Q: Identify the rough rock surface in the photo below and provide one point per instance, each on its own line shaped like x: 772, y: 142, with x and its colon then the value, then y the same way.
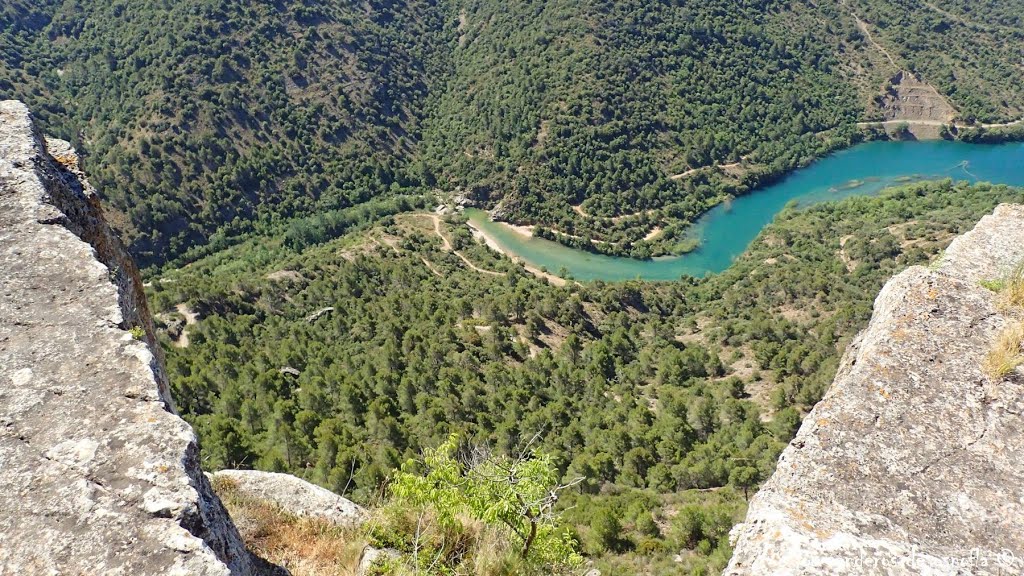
x: 97, y: 474
x: 295, y: 495
x: 913, y: 463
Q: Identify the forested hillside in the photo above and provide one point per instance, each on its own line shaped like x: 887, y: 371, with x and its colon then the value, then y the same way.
x: 205, y: 119
x: 600, y: 103
x: 969, y: 50
x: 197, y: 117
x: 671, y: 399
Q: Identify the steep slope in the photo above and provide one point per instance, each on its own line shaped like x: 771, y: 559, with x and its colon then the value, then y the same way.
x: 912, y: 462
x: 97, y: 475
x: 600, y: 102
x: 968, y: 50
x: 598, y: 119
x: 200, y: 116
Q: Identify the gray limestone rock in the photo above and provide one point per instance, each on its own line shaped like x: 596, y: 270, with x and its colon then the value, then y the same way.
x: 295, y: 495
x: 913, y: 463
x: 373, y: 556
x: 97, y: 474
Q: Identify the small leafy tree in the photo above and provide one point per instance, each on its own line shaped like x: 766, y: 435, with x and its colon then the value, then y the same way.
x: 744, y: 477
x: 512, y: 496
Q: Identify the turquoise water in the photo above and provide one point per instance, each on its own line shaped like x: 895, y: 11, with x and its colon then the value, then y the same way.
x: 728, y: 229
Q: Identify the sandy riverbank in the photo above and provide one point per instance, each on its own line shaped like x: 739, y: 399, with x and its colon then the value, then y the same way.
x: 527, y: 231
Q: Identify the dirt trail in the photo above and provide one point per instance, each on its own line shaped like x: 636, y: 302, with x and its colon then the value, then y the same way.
x: 432, y: 268
x: 477, y: 268
x: 693, y: 171
x: 190, y: 318
x: 615, y: 219
x: 863, y: 27
x: 969, y: 23
x: 850, y: 264
x: 447, y: 246
x: 689, y: 172
x: 1002, y: 125
x: 939, y: 123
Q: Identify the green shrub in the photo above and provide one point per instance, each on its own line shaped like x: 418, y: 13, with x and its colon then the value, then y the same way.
x: 495, y: 514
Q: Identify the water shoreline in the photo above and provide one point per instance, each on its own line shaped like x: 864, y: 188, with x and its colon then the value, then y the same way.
x: 492, y: 243
x: 865, y: 169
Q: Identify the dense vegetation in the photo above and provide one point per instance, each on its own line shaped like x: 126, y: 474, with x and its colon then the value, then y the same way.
x: 670, y: 399
x: 480, y: 513
x: 969, y: 49
x: 205, y: 119
x: 284, y: 147
x: 599, y: 102
x: 200, y: 116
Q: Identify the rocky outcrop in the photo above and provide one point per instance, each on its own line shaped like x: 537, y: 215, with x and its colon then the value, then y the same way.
x: 97, y: 474
x: 249, y: 492
x: 913, y: 463
x: 298, y: 497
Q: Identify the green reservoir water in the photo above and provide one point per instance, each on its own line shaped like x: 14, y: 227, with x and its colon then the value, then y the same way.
x: 727, y: 230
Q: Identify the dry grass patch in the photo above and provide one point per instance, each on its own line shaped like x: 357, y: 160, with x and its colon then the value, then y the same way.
x: 1010, y: 288
x: 1013, y: 288
x: 429, y: 546
x: 306, y: 546
x: 1007, y: 352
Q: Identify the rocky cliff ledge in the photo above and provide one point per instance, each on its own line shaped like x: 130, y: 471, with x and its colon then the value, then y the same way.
x: 913, y: 463
x: 97, y: 474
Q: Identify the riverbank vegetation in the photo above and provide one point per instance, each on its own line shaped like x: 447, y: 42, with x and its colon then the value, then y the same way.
x: 671, y: 400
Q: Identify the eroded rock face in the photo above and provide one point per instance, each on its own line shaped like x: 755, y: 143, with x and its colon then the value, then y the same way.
x: 97, y: 474
x: 913, y: 463
x: 908, y: 98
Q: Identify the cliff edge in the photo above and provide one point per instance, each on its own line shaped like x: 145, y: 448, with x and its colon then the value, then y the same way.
x: 913, y: 463
x: 97, y: 474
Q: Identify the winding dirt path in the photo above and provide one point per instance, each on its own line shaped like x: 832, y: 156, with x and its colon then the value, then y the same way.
x: 693, y: 171
x: 969, y: 23
x: 432, y: 268
x: 616, y: 219
x: 477, y: 268
x: 447, y: 246
x: 190, y: 318
x: 850, y: 264
x: 863, y: 27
